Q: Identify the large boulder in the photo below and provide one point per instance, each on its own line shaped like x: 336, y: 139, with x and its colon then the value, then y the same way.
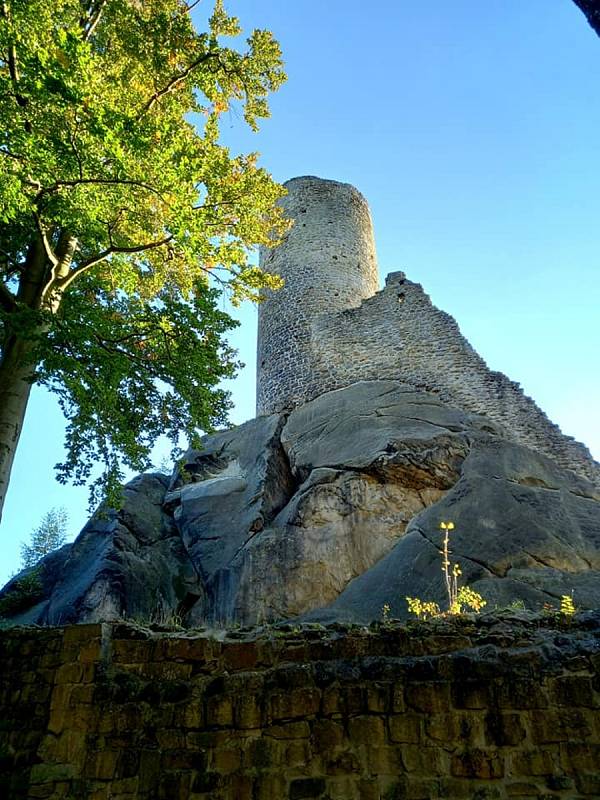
x: 223, y: 497
x: 329, y: 513
x: 524, y: 531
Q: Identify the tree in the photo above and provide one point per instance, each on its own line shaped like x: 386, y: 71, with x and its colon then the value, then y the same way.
x: 50, y: 534
x: 122, y: 218
x: 591, y: 9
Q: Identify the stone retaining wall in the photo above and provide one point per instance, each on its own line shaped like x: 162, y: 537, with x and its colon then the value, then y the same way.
x: 501, y: 709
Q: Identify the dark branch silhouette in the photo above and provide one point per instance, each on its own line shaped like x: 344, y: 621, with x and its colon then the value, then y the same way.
x: 591, y: 9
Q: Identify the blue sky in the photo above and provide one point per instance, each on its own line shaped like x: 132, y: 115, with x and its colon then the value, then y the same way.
x: 472, y: 129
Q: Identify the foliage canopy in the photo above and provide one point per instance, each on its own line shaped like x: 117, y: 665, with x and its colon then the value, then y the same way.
x: 122, y: 218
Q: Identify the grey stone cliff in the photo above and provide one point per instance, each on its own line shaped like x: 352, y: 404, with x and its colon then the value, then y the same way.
x: 378, y: 422
x: 332, y: 511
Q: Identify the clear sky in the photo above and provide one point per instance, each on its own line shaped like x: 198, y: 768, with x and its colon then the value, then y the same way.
x: 473, y: 129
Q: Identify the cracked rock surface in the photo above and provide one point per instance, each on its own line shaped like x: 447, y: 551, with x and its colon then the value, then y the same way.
x: 329, y: 513
x: 130, y: 563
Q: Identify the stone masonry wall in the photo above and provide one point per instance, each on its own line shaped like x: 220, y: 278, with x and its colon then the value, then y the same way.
x: 328, y: 327
x: 399, y: 334
x: 508, y: 707
x: 328, y: 263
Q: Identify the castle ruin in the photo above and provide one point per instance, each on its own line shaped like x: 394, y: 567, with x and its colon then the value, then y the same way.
x: 330, y: 327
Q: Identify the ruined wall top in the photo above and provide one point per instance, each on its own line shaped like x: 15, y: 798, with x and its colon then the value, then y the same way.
x: 330, y: 327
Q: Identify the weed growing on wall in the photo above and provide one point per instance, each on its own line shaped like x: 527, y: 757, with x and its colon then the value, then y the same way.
x: 567, y: 606
x: 460, y: 598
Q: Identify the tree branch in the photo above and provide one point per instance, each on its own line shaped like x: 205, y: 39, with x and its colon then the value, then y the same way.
x: 47, y: 246
x: 13, y: 69
x: 175, y: 81
x: 591, y: 9
x: 5, y: 152
x: 192, y: 5
x: 95, y: 14
x: 13, y: 66
x: 102, y: 343
x: 64, y: 251
x: 91, y: 262
x: 14, y: 266
x: 54, y: 187
x: 77, y: 155
x: 7, y: 299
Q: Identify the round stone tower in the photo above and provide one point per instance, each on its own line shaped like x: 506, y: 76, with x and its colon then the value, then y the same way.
x: 328, y: 263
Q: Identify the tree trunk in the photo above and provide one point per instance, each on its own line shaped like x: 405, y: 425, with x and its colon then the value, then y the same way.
x: 38, y: 289
x: 16, y: 373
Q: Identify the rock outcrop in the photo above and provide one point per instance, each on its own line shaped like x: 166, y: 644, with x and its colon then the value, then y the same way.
x: 378, y: 421
x: 329, y: 512
x: 131, y: 563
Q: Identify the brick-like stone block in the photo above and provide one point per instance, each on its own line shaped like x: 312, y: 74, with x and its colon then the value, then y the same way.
x: 574, y: 691
x: 521, y: 789
x: 219, y: 711
x: 206, y: 782
x: 442, y: 727
x: 477, y: 764
x: 521, y: 694
x: 566, y: 725
x: 268, y: 787
x: 348, y: 761
x: 289, y: 730
x: 242, y: 656
x: 343, y: 700
x: 171, y: 739
x: 504, y: 729
x: 174, y: 785
x: 194, y: 714
x: 588, y: 783
x: 377, y: 698
x: 369, y: 789
x: 102, y: 765
x: 428, y: 697
x: 75, y: 636
x: 129, y: 651
x: 327, y: 734
x: 405, y: 728
x: 535, y: 762
x: 343, y: 787
x: 398, y: 703
x: 294, y: 704
x: 226, y: 760
x: 298, y: 753
x: 247, y: 710
x: 421, y: 789
x: 576, y: 757
x: 262, y: 753
x: 366, y: 730
x: 386, y: 760
x: 424, y: 761
x: 472, y: 694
